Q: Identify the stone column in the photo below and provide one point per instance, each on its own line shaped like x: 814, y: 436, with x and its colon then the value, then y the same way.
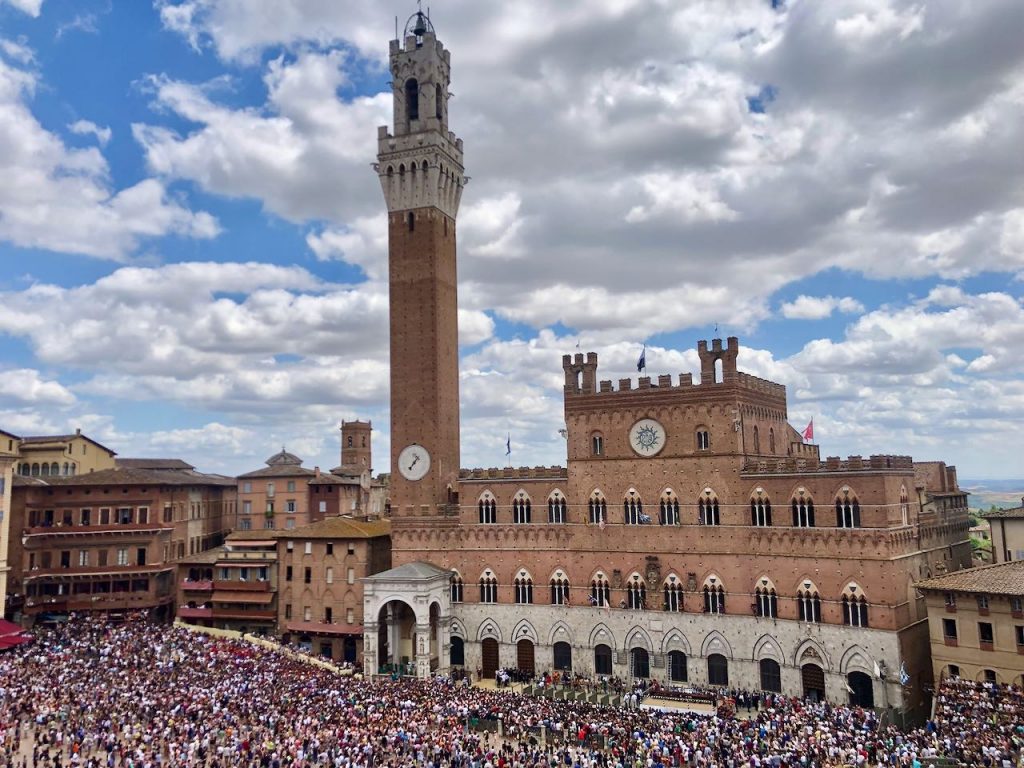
x: 422, y: 650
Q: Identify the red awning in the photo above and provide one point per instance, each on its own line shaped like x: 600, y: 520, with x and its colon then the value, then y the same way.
x: 12, y: 635
x: 323, y: 628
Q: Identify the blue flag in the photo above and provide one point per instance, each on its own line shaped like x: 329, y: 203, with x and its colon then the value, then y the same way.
x: 508, y: 445
x: 642, y: 362
x: 904, y: 677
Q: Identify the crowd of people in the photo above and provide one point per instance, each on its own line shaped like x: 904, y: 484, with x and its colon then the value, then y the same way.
x: 143, y: 695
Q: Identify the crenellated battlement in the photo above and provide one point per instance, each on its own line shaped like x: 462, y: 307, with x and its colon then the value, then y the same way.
x: 581, y: 374
x: 554, y: 472
x: 792, y: 465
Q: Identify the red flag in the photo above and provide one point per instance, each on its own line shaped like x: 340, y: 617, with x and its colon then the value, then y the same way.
x: 809, y: 432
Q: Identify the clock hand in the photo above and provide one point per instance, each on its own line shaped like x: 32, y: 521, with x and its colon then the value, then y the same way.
x: 415, y: 459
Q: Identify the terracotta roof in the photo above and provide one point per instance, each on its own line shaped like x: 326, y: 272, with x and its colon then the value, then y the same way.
x: 283, y: 457
x: 132, y: 476
x: 999, y: 579
x: 152, y: 464
x: 22, y: 480
x: 202, y: 558
x: 281, y: 470
x: 329, y: 478
x: 1002, y: 514
x: 338, y: 528
x: 34, y: 439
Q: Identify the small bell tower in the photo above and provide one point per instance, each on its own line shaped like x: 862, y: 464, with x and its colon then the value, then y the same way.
x: 419, y: 163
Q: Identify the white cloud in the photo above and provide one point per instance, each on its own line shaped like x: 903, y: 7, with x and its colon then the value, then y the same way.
x: 819, y: 307
x: 87, y: 128
x: 26, y: 386
x: 59, y: 198
x: 31, y: 7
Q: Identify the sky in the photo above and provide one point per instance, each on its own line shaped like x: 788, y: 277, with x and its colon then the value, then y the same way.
x: 193, y: 241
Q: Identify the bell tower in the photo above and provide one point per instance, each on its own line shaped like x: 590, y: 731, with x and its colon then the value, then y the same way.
x: 419, y: 163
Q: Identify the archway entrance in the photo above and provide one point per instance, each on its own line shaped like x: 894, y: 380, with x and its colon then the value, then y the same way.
x: 813, y: 678
x: 640, y: 662
x: 457, y: 654
x: 677, y: 666
x: 602, y: 659
x: 862, y: 692
x: 524, y: 656
x: 771, y: 675
x: 350, y: 650
x: 489, y: 651
x: 563, y: 656
x: 396, y: 625
x: 718, y: 669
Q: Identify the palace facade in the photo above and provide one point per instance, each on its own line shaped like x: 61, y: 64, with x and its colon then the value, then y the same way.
x: 692, y: 536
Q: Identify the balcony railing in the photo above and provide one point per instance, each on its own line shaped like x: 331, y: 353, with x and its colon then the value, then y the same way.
x: 235, y: 585
x: 197, y: 585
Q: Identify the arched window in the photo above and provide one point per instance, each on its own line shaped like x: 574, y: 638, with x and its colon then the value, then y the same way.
x: 24, y: 469
x: 560, y: 589
x: 803, y: 510
x: 524, y: 588
x: 456, y: 587
x: 636, y: 593
x: 760, y: 509
x: 703, y: 440
x: 674, y: 600
x: 412, y: 98
x: 633, y: 509
x: 714, y: 596
x: 488, y: 508
x: 771, y: 440
x: 668, y: 513
x: 847, y: 510
x: 556, y: 507
x: 600, y: 591
x: 677, y: 666
x: 757, y: 440
x: 904, y: 505
x: 488, y: 588
x: 771, y: 676
x: 438, y: 101
x: 855, y: 607
x: 766, y: 602
x: 707, y: 508
x: 597, y: 444
x: 46, y: 469
x: 350, y: 441
x: 64, y: 469
x: 718, y: 669
x: 54, y: 469
x: 521, y: 514
x: 598, y: 508
x: 808, y: 604
x: 35, y: 470
x: 411, y: 221
x: 74, y: 469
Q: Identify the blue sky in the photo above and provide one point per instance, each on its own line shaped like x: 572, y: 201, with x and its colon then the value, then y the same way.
x: 194, y: 242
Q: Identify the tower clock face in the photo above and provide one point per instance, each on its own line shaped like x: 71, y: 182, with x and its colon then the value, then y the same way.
x: 647, y: 437
x: 414, y: 462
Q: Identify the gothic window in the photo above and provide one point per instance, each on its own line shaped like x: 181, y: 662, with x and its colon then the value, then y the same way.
x: 411, y: 218
x: 350, y: 441
x: 598, y: 508
x: 673, y: 595
x: 771, y: 440
x: 760, y: 509
x: 488, y: 588
x: 757, y: 441
x: 521, y: 514
x: 714, y: 596
x: 438, y: 101
x: 803, y: 510
x: 524, y: 588
x: 808, y: 604
x: 904, y: 505
x: 855, y: 607
x: 487, y: 508
x: 559, y: 589
x: 847, y: 510
x: 703, y: 440
x: 636, y: 593
x: 412, y: 98
x: 556, y: 507
x: 766, y: 602
x: 456, y: 587
x: 633, y: 509
x: 707, y: 509
x: 600, y: 591
x: 597, y: 445
x: 669, y: 509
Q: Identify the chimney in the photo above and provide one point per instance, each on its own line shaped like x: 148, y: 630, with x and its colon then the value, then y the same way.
x: 316, y: 471
x: 78, y: 430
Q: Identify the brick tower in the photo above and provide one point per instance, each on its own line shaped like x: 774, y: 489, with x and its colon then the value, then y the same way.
x: 356, y: 446
x: 421, y: 173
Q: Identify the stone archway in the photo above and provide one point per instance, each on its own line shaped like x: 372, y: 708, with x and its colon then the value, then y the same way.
x: 813, y: 679
x: 396, y: 638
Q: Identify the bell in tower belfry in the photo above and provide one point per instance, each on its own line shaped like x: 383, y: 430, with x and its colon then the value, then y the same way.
x: 419, y: 163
